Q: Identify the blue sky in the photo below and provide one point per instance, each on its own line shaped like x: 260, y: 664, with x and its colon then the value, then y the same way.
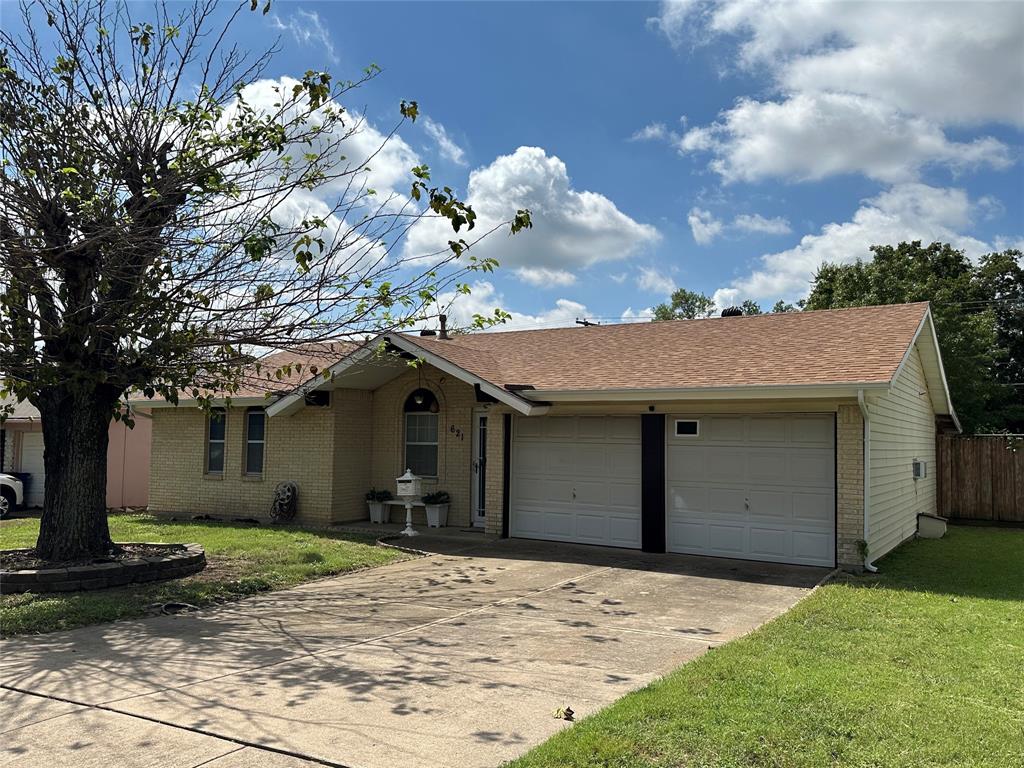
x: 727, y: 147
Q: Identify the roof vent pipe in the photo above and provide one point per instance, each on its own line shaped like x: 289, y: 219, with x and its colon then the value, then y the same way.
x: 732, y: 312
x: 444, y: 327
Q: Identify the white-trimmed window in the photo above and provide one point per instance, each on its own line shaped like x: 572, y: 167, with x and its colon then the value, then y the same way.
x: 216, y: 431
x: 255, y: 440
x: 687, y: 428
x: 421, y: 428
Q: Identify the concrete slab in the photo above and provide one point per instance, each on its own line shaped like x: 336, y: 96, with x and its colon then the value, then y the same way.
x: 452, y: 660
x: 84, y: 738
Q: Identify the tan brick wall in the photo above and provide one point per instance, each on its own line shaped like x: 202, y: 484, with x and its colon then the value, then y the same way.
x: 495, y: 468
x: 457, y: 401
x: 353, y: 449
x: 849, y: 485
x: 298, y: 448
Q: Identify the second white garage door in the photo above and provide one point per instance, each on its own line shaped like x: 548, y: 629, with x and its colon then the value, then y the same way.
x: 752, y: 487
x: 577, y: 478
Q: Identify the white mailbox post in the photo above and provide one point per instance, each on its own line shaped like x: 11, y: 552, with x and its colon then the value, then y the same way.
x: 409, y: 490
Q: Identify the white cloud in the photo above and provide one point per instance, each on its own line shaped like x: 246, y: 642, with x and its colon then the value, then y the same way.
x: 755, y: 222
x: 904, y: 212
x: 653, y: 132
x: 808, y: 137
x: 485, y: 298
x: 445, y: 144
x: 619, y: 278
x: 655, y: 281
x: 640, y: 314
x: 308, y: 30
x: 572, y: 229
x: 704, y: 226
x: 860, y: 87
x: 542, y: 277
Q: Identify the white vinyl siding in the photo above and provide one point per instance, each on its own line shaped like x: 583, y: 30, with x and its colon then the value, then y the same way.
x: 902, y: 429
x: 32, y: 463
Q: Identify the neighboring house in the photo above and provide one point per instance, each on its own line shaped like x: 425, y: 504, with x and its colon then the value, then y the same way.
x: 21, y: 452
x: 785, y: 437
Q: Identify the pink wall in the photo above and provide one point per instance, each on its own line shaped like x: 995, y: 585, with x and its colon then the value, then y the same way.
x: 128, y: 463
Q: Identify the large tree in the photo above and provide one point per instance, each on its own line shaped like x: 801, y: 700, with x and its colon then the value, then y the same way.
x: 168, y: 211
x: 979, y: 318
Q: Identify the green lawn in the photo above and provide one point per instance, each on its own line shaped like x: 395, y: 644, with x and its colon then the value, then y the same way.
x: 241, y: 560
x: 921, y: 665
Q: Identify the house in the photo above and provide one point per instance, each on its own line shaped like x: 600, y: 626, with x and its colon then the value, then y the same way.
x: 788, y: 437
x: 21, y: 452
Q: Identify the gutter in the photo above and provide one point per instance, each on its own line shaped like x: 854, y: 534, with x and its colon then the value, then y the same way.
x: 867, y: 473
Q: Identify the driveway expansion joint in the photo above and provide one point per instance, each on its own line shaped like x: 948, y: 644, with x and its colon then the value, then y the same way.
x: 201, y: 731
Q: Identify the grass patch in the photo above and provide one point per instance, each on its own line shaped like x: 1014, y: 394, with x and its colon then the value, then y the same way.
x: 921, y: 665
x: 241, y: 560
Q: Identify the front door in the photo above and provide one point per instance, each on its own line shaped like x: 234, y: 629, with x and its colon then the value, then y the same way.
x: 479, y: 478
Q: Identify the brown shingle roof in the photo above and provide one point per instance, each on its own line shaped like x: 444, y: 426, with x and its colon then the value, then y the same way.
x: 844, y: 346
x: 257, y: 383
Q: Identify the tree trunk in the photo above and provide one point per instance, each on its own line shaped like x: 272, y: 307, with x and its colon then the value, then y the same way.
x: 74, y: 521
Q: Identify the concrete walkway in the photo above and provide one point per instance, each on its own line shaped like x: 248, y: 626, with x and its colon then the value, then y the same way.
x: 458, y: 659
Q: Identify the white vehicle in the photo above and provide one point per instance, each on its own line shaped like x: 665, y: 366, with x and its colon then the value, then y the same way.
x: 11, y: 494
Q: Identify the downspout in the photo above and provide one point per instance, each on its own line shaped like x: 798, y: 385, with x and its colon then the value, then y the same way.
x: 867, y: 473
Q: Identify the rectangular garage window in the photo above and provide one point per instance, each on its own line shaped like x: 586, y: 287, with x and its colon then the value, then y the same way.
x: 421, y: 443
x: 215, y: 432
x: 687, y: 427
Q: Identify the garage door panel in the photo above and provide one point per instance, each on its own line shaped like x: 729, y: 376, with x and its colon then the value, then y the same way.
x: 812, y: 547
x: 724, y: 429
x: 768, y: 429
x: 625, y: 428
x: 813, y: 468
x: 724, y: 463
x: 727, y: 502
x: 767, y: 466
x: 624, y: 531
x: 727, y: 540
x: 688, y: 498
x: 626, y: 495
x: 771, y: 505
x: 623, y: 461
x: 585, y: 487
x: 591, y: 527
x: 771, y: 543
x: 814, y: 509
x: 784, y: 465
x: 812, y: 430
x: 686, y: 463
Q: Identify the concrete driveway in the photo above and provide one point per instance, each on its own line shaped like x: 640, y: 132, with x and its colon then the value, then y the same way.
x: 458, y: 659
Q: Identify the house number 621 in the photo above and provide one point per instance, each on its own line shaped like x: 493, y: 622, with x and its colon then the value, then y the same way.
x: 457, y: 432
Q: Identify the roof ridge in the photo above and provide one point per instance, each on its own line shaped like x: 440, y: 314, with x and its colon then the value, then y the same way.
x: 764, y: 315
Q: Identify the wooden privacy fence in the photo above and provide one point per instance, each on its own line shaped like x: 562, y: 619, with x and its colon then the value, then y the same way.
x: 981, y: 477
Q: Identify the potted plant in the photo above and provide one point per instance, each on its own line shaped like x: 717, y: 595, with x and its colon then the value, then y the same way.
x: 437, y: 508
x: 379, y: 513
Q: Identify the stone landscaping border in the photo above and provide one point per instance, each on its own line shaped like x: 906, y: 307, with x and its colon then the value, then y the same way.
x: 175, y: 564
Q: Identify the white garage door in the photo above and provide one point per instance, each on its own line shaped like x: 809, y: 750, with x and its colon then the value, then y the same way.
x: 752, y: 487
x: 32, y: 462
x: 577, y: 478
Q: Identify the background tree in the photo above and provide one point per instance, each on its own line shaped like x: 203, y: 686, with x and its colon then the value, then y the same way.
x: 685, y: 305
x: 978, y: 312
x: 159, y: 226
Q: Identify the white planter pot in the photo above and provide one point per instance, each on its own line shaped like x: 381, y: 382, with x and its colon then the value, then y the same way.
x: 379, y: 511
x: 437, y: 515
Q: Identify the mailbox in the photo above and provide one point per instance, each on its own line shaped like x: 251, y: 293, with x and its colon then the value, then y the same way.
x: 409, y: 486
